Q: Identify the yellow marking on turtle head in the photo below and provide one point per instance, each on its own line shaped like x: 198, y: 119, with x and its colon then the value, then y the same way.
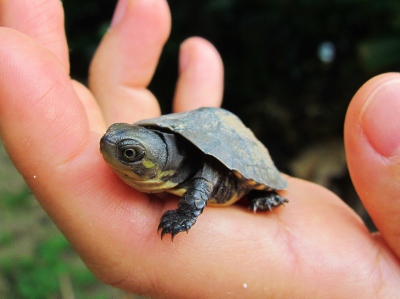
x: 148, y: 164
x: 154, y: 185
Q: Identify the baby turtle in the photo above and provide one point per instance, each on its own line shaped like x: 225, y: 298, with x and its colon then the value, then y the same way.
x: 205, y: 156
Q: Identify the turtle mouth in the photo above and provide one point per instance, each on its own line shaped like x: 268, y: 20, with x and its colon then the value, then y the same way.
x: 105, y: 141
x: 107, y: 149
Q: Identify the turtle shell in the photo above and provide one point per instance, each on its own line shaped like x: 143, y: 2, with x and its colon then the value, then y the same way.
x: 221, y: 134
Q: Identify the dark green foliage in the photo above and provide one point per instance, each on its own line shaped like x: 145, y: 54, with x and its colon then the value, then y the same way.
x: 85, y: 24
x: 6, y: 238
x: 274, y: 77
x: 17, y: 200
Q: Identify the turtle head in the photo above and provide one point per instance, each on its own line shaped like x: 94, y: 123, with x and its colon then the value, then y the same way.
x: 135, y: 153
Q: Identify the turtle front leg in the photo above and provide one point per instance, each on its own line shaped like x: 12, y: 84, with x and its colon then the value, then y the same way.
x: 199, y: 190
x: 190, y: 206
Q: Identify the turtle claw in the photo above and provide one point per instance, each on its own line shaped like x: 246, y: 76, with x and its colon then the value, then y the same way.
x: 268, y: 202
x: 174, y: 222
x: 162, y: 233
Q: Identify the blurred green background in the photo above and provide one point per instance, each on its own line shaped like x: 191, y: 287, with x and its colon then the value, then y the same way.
x: 292, y: 68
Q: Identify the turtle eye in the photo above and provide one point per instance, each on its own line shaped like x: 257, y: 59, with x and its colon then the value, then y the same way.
x: 130, y: 150
x: 129, y: 153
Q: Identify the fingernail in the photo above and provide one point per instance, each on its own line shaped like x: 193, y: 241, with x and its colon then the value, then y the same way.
x: 380, y: 119
x: 184, y: 57
x: 119, y: 12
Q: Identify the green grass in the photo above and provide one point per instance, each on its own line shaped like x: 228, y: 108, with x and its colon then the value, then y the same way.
x: 45, y: 273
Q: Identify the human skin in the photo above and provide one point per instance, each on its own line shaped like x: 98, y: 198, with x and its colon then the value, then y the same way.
x: 314, y: 247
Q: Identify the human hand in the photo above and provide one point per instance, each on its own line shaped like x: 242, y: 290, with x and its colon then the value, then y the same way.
x: 314, y: 247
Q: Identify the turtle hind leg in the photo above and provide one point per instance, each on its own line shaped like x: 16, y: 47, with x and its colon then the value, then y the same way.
x: 190, y: 206
x: 265, y: 200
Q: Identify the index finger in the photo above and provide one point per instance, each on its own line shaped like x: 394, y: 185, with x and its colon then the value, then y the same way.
x: 126, y: 59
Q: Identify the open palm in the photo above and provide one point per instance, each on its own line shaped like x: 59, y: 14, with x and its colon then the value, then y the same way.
x: 315, y: 247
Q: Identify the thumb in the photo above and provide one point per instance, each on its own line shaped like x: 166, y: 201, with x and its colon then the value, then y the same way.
x: 372, y: 139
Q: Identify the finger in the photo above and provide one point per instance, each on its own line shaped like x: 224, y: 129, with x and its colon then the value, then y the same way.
x: 126, y: 59
x: 372, y: 138
x: 42, y: 20
x: 201, y: 76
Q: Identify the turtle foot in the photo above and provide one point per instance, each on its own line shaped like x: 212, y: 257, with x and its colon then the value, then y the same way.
x: 267, y: 202
x: 174, y: 222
